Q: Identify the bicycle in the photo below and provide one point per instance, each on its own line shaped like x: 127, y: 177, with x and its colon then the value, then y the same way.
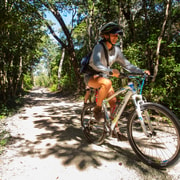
x: 153, y: 131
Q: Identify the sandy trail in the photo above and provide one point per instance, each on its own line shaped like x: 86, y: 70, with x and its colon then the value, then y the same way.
x: 47, y: 143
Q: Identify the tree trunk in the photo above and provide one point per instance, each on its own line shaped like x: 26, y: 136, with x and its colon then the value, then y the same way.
x: 70, y: 47
x: 126, y: 10
x: 60, y: 67
x: 89, y: 22
x: 159, y: 42
x: 19, y: 73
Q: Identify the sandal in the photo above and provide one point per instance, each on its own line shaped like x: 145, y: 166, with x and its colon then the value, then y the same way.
x: 120, y: 136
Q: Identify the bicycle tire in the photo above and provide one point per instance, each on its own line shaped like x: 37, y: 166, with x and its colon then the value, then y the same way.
x: 162, y: 148
x: 94, y: 131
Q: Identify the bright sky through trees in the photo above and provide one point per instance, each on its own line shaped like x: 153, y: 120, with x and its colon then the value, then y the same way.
x: 56, y: 26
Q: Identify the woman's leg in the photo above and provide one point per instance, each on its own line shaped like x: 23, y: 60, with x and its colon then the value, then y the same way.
x: 112, y: 102
x: 87, y: 94
x: 104, y: 84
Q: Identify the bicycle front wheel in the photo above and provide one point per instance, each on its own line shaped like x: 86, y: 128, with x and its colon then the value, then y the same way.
x: 160, y: 147
x: 94, y: 131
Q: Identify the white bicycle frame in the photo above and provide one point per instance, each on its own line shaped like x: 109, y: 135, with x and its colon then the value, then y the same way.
x: 138, y: 101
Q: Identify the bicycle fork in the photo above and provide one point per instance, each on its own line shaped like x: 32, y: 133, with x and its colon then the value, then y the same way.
x: 138, y: 101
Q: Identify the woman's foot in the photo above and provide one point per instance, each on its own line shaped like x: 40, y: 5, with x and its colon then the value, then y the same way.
x: 120, y: 136
x: 98, y: 114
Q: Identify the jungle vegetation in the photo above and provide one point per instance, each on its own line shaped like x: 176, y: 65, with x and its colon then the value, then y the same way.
x: 33, y: 52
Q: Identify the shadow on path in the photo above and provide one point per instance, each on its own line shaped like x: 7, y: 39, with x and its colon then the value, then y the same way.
x: 53, y: 129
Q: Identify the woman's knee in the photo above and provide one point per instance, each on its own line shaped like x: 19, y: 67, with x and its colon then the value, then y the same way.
x: 100, y: 82
x: 106, y: 83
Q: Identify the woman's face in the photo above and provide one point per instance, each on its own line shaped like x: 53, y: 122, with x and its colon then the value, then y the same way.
x: 113, y: 38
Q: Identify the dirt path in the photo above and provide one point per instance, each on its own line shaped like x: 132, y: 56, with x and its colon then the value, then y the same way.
x: 47, y: 143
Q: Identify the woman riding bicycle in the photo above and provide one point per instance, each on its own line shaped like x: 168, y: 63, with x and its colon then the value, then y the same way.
x: 109, y: 32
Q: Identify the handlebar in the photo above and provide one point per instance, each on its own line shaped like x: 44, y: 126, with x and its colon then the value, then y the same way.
x: 140, y: 78
x: 134, y: 75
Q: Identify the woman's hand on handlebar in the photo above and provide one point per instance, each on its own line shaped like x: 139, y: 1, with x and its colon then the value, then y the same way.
x: 147, y: 72
x: 116, y: 73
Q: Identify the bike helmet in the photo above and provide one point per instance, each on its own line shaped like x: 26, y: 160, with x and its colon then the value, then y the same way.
x: 111, y: 28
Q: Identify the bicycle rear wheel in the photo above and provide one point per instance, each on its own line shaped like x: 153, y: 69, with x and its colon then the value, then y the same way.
x: 161, y: 148
x: 94, y: 131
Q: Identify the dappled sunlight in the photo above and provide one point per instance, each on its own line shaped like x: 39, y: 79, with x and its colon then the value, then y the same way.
x: 48, y: 129
x: 56, y: 131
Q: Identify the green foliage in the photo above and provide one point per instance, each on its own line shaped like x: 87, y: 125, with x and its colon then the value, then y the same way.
x: 65, y: 82
x: 24, y: 46
x: 166, y: 88
x: 4, y: 111
x: 28, y: 82
x: 42, y: 80
x: 134, y: 53
x: 4, y: 138
x: 54, y: 87
x: 20, y: 34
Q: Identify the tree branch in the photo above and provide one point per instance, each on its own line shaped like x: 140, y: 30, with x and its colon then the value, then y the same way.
x: 52, y: 32
x: 59, y: 18
x: 159, y: 41
x: 55, y: 36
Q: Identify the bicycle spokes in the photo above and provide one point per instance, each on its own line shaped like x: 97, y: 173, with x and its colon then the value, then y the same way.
x: 159, y: 146
x: 94, y: 131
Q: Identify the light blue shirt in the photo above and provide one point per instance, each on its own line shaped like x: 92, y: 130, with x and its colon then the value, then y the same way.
x: 99, y: 63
